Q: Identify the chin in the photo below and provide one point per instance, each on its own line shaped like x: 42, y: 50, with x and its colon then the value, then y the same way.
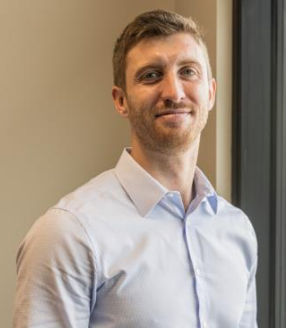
x: 170, y: 146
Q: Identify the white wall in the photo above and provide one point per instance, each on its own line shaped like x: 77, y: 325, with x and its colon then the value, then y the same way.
x: 58, y: 127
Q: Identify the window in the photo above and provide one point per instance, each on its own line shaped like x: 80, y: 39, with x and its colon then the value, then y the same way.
x: 259, y: 143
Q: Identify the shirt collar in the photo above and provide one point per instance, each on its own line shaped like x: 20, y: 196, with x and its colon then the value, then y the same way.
x: 204, y: 189
x: 142, y: 188
x: 136, y: 181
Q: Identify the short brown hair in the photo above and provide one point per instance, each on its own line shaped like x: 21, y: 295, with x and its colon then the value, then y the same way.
x: 149, y: 25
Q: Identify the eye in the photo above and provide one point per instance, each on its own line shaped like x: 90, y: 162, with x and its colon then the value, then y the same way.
x: 150, y: 76
x: 188, y: 72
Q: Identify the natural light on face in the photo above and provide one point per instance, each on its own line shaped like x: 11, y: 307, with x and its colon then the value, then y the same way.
x: 168, y: 92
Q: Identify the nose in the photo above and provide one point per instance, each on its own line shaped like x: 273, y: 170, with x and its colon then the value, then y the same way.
x: 172, y: 89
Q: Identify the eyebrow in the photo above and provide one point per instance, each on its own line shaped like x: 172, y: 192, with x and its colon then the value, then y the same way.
x: 189, y: 61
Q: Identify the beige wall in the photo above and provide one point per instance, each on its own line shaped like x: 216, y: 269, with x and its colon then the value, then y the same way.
x: 224, y: 97
x: 58, y: 127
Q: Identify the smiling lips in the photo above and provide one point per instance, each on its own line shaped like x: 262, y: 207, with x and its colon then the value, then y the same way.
x: 174, y: 112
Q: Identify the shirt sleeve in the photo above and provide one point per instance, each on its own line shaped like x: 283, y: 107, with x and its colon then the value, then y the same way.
x: 248, y: 319
x: 56, y: 274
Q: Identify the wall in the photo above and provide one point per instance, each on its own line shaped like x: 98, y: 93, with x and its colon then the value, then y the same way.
x: 224, y: 97
x: 58, y: 127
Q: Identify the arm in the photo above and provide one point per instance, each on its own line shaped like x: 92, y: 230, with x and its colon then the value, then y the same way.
x: 55, y: 274
x: 248, y: 319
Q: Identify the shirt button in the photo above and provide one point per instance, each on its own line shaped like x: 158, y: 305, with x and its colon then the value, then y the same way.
x: 170, y: 194
x: 197, y: 272
x: 204, y: 324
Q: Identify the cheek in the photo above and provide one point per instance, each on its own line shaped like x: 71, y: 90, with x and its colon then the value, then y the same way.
x: 147, y: 94
x: 143, y: 102
x: 199, y: 96
x: 198, y: 92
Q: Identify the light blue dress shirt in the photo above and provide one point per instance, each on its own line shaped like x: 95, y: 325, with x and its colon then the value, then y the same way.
x: 121, y: 252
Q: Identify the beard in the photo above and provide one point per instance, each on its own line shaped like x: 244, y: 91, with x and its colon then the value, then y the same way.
x: 168, y: 138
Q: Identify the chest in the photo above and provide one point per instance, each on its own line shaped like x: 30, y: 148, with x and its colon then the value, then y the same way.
x: 169, y: 275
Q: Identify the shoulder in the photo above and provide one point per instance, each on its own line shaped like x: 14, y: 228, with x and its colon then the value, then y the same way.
x: 92, y: 197
x: 90, y: 191
x: 62, y: 228
x: 234, y: 214
x: 237, y: 221
x: 72, y: 223
x: 56, y: 235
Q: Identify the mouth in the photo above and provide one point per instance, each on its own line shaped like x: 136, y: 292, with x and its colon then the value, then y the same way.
x: 174, y: 112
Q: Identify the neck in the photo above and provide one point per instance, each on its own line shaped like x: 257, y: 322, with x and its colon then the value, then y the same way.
x: 174, y: 171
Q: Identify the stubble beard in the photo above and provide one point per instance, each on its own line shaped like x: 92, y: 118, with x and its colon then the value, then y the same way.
x: 168, y: 139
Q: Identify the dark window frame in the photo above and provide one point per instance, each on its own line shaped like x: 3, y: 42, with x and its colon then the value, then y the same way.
x: 259, y: 143
x: 278, y: 274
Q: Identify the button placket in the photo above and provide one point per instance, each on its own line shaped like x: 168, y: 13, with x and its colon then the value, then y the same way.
x: 195, y: 257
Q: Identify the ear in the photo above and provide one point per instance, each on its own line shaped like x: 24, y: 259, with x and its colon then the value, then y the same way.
x: 212, y: 92
x: 119, y: 100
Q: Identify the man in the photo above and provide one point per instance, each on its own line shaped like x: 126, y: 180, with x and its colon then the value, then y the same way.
x: 149, y: 243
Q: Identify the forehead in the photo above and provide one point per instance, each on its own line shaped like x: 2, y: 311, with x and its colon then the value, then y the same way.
x: 167, y: 49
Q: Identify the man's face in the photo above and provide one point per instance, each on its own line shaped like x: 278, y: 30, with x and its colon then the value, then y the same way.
x: 168, y: 92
